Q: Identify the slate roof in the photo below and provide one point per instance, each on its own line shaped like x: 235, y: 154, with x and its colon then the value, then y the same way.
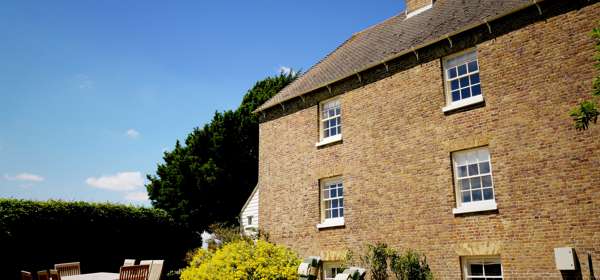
x: 393, y: 37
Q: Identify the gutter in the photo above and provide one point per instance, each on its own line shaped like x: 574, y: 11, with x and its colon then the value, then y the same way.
x: 414, y: 49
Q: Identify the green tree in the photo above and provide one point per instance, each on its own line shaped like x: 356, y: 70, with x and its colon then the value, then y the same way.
x: 208, y: 179
x: 588, y: 111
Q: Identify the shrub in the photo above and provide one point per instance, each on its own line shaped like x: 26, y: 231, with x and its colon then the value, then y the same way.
x: 376, y: 260
x: 410, y: 266
x: 243, y: 260
x: 35, y: 235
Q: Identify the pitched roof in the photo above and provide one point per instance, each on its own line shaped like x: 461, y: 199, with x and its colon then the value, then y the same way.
x: 394, y: 37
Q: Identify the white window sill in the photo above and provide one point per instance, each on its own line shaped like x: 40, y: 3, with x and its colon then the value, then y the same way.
x: 328, y: 223
x: 479, y: 206
x: 463, y: 103
x: 329, y: 140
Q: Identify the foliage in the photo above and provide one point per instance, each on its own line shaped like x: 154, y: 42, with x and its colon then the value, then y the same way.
x: 380, y: 259
x: 410, y: 266
x: 588, y: 111
x: 208, y: 179
x: 35, y: 235
x: 243, y: 260
x: 376, y: 259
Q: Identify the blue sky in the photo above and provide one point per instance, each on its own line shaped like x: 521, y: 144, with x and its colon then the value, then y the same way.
x: 93, y: 92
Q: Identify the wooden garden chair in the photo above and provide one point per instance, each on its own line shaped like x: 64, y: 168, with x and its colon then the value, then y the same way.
x: 54, y: 274
x: 134, y: 272
x: 26, y: 275
x: 42, y: 275
x: 155, y: 268
x: 68, y: 269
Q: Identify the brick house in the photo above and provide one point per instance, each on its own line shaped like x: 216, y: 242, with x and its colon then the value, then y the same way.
x: 456, y: 142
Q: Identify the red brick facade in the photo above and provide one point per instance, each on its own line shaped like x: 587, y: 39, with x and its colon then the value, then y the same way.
x: 395, y: 159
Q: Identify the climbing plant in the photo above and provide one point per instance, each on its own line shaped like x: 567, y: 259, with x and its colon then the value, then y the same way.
x: 588, y: 110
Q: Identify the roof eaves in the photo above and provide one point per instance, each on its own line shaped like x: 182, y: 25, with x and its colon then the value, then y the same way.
x: 399, y: 54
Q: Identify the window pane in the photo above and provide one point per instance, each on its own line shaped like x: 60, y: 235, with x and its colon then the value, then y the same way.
x: 327, y: 204
x: 340, y: 191
x: 452, y: 73
x: 477, y: 195
x: 327, y: 214
x: 464, y: 93
x: 326, y: 124
x: 455, y: 95
x: 464, y: 184
x: 332, y: 132
x: 462, y: 171
x: 473, y: 66
x: 488, y: 194
x: 325, y: 193
x: 334, y: 213
x: 332, y: 122
x: 475, y: 183
x: 475, y: 79
x: 476, y: 90
x: 341, y: 200
x: 341, y: 212
x: 486, y: 181
x: 339, y: 130
x: 338, y: 111
x: 464, y: 82
x: 333, y: 193
x: 462, y: 69
x: 493, y: 270
x: 339, y: 120
x: 473, y: 170
x: 484, y: 167
x: 334, y: 203
x: 476, y: 270
x: 454, y: 85
x: 331, y: 112
x: 466, y: 196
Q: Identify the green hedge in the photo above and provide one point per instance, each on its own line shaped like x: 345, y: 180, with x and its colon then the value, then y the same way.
x: 35, y: 235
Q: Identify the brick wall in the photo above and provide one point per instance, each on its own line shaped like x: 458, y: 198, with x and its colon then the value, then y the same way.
x: 395, y: 160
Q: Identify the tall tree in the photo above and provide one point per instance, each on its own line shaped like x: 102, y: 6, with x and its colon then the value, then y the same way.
x: 208, y: 179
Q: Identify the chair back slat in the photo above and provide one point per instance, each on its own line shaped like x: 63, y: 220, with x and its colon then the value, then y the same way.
x: 156, y: 270
x: 42, y: 275
x: 54, y: 274
x: 129, y: 262
x: 68, y: 269
x: 134, y: 272
x: 26, y: 275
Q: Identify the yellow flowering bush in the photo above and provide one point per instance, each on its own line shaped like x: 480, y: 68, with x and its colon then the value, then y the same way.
x: 245, y: 260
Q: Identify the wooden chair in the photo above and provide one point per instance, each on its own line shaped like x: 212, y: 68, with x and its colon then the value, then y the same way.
x: 155, y: 268
x: 129, y: 262
x: 26, y: 275
x: 68, y: 269
x: 42, y: 275
x: 54, y: 274
x: 134, y: 272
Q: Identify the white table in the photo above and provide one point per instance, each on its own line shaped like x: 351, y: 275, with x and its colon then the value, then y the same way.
x: 93, y: 276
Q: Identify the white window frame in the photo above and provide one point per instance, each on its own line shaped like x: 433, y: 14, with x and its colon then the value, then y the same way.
x: 473, y: 206
x: 323, y: 140
x: 466, y: 261
x: 332, y: 221
x: 462, y: 57
x: 327, y: 266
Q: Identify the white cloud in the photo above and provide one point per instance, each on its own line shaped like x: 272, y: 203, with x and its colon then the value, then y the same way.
x: 137, y: 196
x: 132, y: 133
x: 286, y: 70
x: 25, y: 177
x: 122, y: 181
x: 83, y: 81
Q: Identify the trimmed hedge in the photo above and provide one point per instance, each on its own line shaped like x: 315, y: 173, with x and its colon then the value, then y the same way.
x: 35, y: 235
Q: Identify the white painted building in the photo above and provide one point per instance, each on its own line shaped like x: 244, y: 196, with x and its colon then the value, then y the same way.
x: 249, y: 214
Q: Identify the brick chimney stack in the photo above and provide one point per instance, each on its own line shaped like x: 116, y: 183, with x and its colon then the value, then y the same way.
x: 415, y: 5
